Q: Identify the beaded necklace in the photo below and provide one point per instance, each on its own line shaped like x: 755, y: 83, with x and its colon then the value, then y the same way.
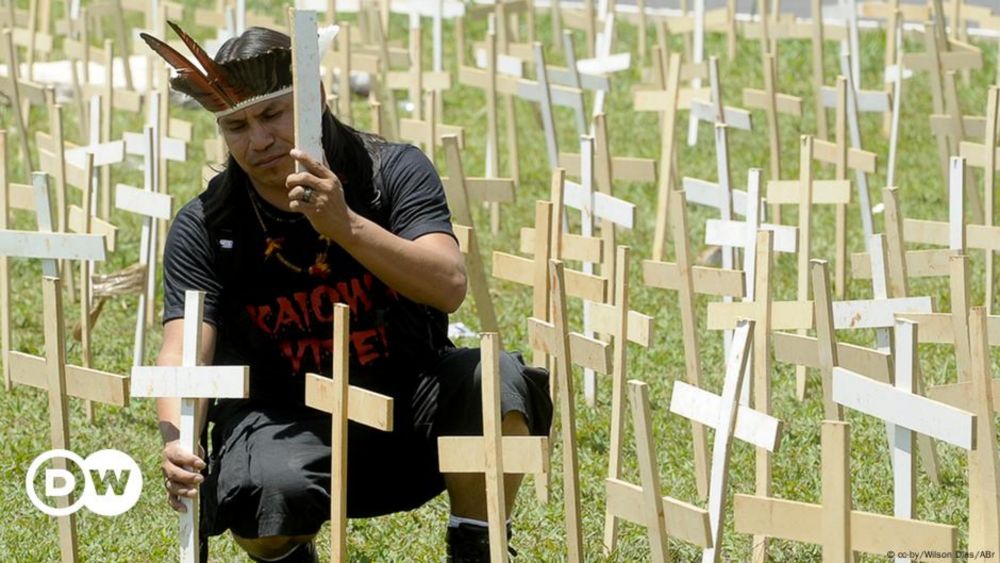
x: 273, y: 245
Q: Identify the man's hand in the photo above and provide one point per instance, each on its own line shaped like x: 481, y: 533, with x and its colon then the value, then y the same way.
x: 318, y: 194
x: 179, y: 481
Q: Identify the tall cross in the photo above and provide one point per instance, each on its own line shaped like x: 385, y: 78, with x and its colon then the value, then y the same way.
x: 344, y: 402
x: 730, y: 420
x: 51, y: 372
x: 190, y: 382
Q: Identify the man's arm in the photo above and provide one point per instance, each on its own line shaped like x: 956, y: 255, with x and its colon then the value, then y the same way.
x: 180, y: 481
x: 428, y: 270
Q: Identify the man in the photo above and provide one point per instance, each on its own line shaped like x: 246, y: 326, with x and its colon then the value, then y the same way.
x: 274, y: 250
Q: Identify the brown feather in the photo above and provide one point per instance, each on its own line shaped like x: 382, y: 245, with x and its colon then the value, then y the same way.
x: 189, y: 79
x: 215, y: 73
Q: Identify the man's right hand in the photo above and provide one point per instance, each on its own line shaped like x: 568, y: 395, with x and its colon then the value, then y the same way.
x: 178, y: 480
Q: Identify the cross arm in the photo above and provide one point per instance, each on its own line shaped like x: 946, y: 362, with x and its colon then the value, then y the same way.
x: 82, y: 383
x: 956, y: 394
x: 683, y: 521
x: 467, y: 454
x: 574, y: 247
x: 825, y: 192
x: 784, y: 103
x: 603, y: 319
x: 801, y: 350
x: 363, y: 406
x: 919, y: 264
x: 857, y: 159
x: 909, y: 410
x: 785, y: 315
x: 754, y: 427
x: 521, y: 270
x: 191, y: 382
x: 585, y: 352
x: 705, y: 280
x: 55, y: 246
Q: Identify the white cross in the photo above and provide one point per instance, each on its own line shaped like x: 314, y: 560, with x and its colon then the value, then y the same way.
x: 906, y: 412
x: 190, y: 382
x: 150, y: 205
x: 730, y: 420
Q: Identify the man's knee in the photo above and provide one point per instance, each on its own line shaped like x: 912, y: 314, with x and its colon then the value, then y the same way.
x: 270, y: 547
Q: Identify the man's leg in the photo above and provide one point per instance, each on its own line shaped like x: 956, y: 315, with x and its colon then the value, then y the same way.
x: 271, y: 547
x: 467, y: 491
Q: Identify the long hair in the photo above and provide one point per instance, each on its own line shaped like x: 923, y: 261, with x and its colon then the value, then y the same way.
x: 351, y: 154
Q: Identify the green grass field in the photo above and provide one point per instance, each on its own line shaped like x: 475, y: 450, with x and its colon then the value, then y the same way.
x: 147, y: 532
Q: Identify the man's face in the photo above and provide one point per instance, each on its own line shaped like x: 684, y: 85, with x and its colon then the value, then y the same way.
x: 260, y: 137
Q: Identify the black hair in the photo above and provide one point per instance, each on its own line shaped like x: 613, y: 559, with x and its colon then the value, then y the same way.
x: 351, y: 154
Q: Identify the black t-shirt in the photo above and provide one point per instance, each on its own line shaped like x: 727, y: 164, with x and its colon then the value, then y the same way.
x: 270, y: 294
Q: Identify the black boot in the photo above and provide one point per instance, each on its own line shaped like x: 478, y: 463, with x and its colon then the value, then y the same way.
x: 304, y: 553
x: 469, y: 543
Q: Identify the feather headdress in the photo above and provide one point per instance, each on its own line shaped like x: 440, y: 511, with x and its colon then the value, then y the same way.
x: 223, y: 88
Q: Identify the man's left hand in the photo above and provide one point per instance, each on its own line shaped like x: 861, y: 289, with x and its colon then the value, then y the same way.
x: 317, y: 193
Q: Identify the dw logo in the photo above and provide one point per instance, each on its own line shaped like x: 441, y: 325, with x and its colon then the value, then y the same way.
x: 112, y: 482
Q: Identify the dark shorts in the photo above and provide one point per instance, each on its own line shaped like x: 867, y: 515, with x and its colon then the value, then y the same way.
x: 269, y: 470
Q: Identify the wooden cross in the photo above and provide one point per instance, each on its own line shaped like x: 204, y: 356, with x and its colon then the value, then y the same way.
x: 623, y: 325
x: 843, y: 158
x: 425, y: 125
x: 427, y: 132
x: 854, y: 101
x: 662, y: 516
x: 22, y: 93
x: 609, y: 169
x: 985, y: 156
x: 730, y: 420
x: 712, y: 110
x: 834, y: 524
x: 688, y: 280
x: 486, y: 80
x: 151, y: 205
x: 566, y: 245
x: 105, y: 153
x: 461, y: 192
x: 757, y: 307
x: 533, y: 272
x: 603, y: 63
x: 51, y: 372
x: 980, y: 393
x: 191, y: 382
x: 906, y: 412
x: 942, y: 58
x: 824, y: 353
x: 596, y: 208
x: 805, y: 193
x: 729, y: 235
x: 497, y: 61
x: 547, y: 96
x: 665, y: 102
x: 163, y: 149
x: 773, y: 103
x: 493, y: 454
x: 344, y: 402
x: 566, y: 349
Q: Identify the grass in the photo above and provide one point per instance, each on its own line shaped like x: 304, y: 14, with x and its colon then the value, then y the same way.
x: 147, y: 532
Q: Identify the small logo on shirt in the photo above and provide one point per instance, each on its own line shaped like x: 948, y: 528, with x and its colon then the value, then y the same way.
x: 226, y: 244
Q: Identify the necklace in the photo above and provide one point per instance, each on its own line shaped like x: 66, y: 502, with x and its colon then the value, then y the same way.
x: 273, y: 245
